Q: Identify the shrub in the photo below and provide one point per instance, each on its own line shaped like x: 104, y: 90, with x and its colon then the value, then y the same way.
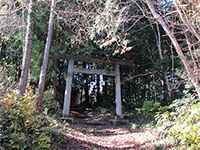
x: 187, y: 127
x: 183, y: 121
x: 51, y: 106
x: 21, y: 127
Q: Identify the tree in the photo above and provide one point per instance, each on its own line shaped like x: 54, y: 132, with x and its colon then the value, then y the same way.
x: 26, y: 62
x: 189, y: 69
x: 10, y: 20
x: 45, y: 59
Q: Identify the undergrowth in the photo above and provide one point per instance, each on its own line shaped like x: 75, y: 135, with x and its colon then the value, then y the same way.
x: 21, y: 127
x: 182, y: 121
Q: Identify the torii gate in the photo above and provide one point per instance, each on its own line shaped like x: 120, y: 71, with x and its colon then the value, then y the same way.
x: 116, y: 74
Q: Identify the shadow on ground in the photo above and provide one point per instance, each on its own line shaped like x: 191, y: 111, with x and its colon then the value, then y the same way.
x: 100, y: 131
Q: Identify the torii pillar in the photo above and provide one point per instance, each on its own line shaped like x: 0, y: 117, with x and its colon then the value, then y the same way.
x: 118, y: 101
x: 68, y: 88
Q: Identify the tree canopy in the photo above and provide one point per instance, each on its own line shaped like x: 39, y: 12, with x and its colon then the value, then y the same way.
x: 159, y: 39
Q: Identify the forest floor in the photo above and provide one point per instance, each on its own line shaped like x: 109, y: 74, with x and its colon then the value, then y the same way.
x: 102, y: 132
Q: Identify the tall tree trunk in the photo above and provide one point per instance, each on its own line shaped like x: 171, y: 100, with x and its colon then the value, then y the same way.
x: 165, y: 87
x: 45, y: 59
x: 176, y: 45
x: 26, y: 62
x: 105, y: 87
x: 87, y: 95
x: 86, y: 86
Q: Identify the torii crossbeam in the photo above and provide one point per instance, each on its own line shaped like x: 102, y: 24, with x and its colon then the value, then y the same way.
x: 116, y: 74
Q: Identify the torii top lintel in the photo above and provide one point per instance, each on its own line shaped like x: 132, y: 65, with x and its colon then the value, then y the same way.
x: 102, y: 60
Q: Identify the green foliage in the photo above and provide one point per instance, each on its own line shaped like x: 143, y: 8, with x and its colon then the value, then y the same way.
x: 51, y: 106
x: 10, y: 55
x: 182, y: 121
x: 150, y: 106
x: 36, y: 56
x: 21, y: 128
x: 100, y: 35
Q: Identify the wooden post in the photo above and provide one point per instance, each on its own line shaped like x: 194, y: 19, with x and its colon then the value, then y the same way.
x: 68, y: 88
x: 118, y: 91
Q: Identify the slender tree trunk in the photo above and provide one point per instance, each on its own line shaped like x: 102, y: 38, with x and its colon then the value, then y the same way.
x: 86, y: 86
x: 87, y: 95
x: 165, y: 95
x: 98, y: 88
x: 26, y: 62
x: 176, y: 45
x: 105, y: 87
x: 45, y: 59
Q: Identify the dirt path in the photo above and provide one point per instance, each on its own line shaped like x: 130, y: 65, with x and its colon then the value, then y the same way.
x: 84, y: 136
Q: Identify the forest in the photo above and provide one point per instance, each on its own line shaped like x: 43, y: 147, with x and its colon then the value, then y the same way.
x: 99, y: 74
